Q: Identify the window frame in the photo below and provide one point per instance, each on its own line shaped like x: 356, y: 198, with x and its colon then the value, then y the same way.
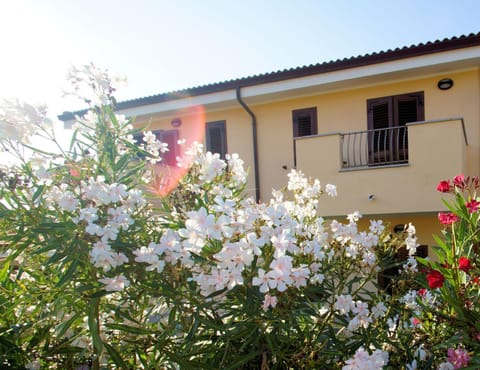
x: 393, y: 101
x: 215, y: 125
x: 298, y: 114
x: 388, y: 137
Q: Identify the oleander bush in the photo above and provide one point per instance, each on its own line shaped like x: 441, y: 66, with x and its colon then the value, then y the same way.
x: 102, y: 268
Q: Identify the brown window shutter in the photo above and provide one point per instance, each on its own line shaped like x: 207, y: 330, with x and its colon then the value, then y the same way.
x: 408, y: 108
x: 380, y: 113
x: 304, y: 122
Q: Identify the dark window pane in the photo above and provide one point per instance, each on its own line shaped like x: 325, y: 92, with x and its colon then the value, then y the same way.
x: 216, y: 137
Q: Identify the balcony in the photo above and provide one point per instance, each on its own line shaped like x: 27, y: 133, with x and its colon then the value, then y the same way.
x: 380, y: 147
x: 400, y: 167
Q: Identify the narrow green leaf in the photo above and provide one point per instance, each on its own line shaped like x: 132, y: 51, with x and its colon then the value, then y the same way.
x: 93, y: 324
x: 64, y: 326
x: 38, y: 192
x: 128, y: 329
x: 188, y: 364
x: 115, y: 356
x: 38, y: 150
x: 68, y: 275
x: 244, y: 359
x: 4, y: 272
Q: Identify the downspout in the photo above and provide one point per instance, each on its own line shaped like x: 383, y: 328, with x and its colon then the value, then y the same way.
x: 254, y: 139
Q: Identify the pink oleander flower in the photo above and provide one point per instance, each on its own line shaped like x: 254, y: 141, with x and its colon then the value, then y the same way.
x: 458, y: 357
x: 444, y: 186
x: 447, y: 218
x: 435, y: 279
x: 464, y: 264
x: 269, y: 301
x: 459, y: 181
x: 472, y: 206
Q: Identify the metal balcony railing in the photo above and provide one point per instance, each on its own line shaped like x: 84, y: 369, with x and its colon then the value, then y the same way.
x: 379, y: 147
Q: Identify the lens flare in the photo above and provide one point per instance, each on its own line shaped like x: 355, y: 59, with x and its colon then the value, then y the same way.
x: 190, y: 123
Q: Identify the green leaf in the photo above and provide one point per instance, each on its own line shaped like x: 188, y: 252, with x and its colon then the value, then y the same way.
x: 4, y: 272
x: 93, y: 324
x: 115, y: 356
x: 128, y: 329
x: 69, y: 274
x: 37, y: 150
x: 38, y: 192
x: 188, y: 364
x: 73, y: 140
x: 40, y: 334
x: 64, y: 326
x: 244, y: 359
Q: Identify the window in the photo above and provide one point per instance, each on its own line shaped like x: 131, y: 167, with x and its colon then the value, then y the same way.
x: 387, y: 119
x: 171, y: 138
x: 304, y: 124
x: 216, y: 137
x: 165, y: 136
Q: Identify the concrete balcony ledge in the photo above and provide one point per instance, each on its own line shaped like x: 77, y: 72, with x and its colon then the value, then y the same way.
x: 436, y: 151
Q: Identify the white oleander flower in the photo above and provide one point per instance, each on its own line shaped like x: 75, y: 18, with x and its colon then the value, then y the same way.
x: 115, y: 284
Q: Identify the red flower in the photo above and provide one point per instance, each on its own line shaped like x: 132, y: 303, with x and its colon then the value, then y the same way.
x: 435, y: 279
x: 464, y: 264
x: 472, y: 206
x: 447, y: 218
x: 459, y: 181
x: 422, y: 292
x: 443, y: 186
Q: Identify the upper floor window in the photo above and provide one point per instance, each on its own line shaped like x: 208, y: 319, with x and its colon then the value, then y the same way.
x: 216, y: 137
x: 393, y: 111
x: 304, y: 122
x: 387, y: 119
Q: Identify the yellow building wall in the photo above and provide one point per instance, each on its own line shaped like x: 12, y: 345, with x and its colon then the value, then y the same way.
x: 192, y: 128
x: 341, y: 111
x: 346, y: 111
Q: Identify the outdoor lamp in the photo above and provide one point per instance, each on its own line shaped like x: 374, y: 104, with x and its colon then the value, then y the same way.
x: 445, y: 83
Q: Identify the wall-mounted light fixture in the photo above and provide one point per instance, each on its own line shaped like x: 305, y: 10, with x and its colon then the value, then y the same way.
x: 176, y: 122
x: 371, y: 197
x: 445, y: 83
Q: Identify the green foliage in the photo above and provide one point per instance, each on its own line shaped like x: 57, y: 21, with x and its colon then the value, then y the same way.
x: 95, y: 272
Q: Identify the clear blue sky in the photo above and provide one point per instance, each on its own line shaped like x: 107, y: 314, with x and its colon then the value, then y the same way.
x: 169, y: 45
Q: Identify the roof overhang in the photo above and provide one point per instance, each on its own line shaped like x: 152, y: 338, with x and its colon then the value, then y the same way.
x: 431, y: 64
x: 287, y: 86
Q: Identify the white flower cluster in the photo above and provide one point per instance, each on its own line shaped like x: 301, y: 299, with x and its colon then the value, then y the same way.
x: 104, y: 210
x: 93, y: 85
x: 362, y: 360
x: 361, y: 315
x: 154, y: 147
x: 357, y: 245
x: 286, y: 238
x: 20, y: 120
